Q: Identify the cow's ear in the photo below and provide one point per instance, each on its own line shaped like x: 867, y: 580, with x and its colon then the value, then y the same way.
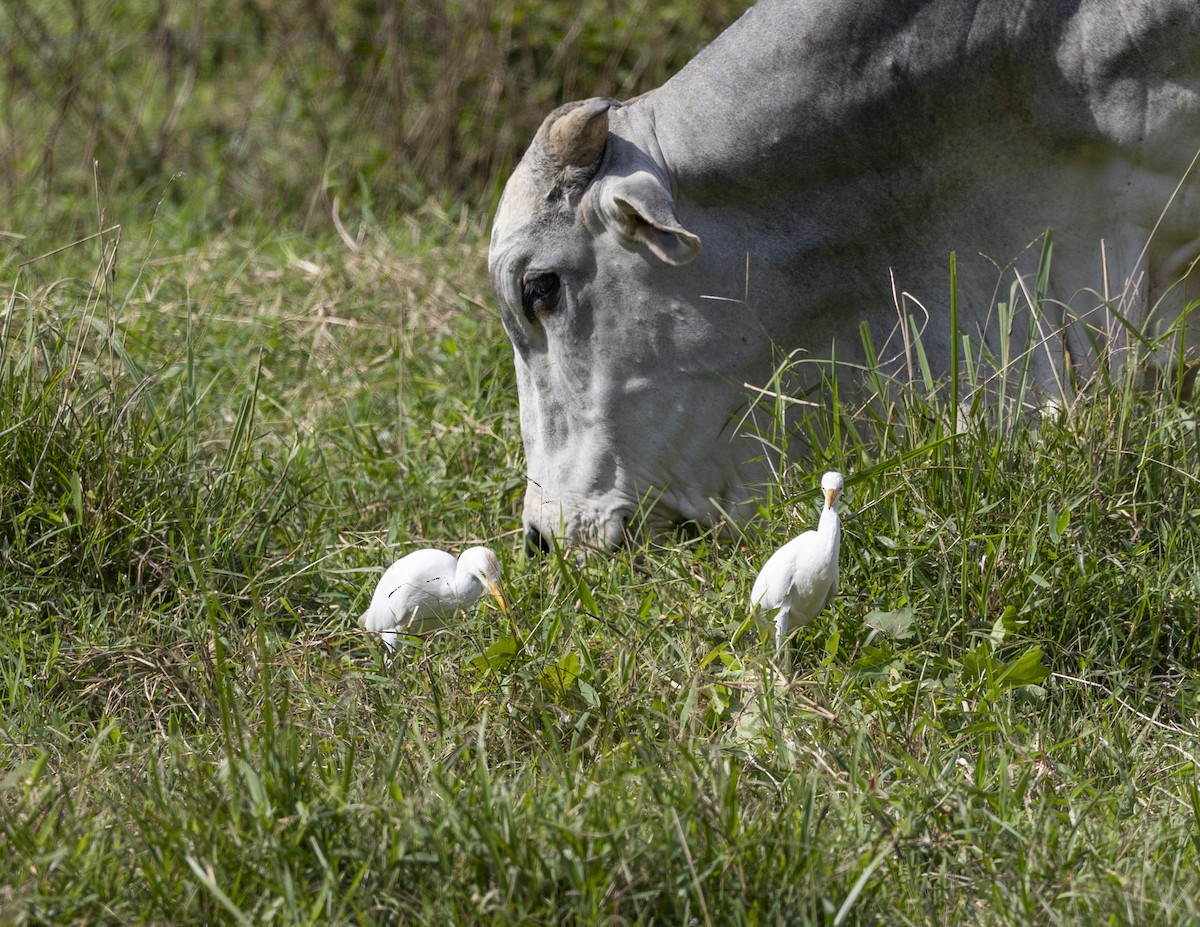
x: 641, y: 210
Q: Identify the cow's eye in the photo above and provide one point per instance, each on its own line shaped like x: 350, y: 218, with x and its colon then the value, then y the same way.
x: 539, y: 294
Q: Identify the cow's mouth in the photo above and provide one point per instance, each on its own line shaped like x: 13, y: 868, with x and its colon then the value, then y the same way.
x: 536, y: 543
x: 613, y: 534
x: 614, y: 531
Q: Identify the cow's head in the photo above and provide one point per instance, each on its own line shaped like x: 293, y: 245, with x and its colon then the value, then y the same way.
x: 630, y: 382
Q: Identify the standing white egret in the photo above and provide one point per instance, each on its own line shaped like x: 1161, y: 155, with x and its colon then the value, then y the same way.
x: 801, y: 578
x: 420, y: 591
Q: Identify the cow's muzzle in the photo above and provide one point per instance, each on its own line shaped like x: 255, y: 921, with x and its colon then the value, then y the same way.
x: 610, y: 533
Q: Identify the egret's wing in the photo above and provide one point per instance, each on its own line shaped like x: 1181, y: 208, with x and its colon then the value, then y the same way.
x: 834, y: 586
x: 430, y: 616
x: 411, y: 592
x: 812, y: 577
x: 774, y: 582
x: 424, y: 604
x: 382, y: 613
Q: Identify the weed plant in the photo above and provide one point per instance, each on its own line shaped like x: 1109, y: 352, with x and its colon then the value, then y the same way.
x: 212, y: 446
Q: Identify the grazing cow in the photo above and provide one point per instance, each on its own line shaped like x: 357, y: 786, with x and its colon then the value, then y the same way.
x: 817, y: 159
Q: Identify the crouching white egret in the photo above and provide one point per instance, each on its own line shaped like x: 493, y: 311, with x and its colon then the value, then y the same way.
x: 420, y: 591
x: 801, y: 578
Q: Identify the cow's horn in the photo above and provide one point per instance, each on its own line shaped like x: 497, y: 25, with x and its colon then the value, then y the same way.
x: 577, y: 136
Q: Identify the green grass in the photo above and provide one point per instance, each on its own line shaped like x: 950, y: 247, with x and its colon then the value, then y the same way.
x: 302, y: 112
x: 213, y: 445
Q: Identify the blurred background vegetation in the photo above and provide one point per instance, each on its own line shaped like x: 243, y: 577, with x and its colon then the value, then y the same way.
x: 271, y: 109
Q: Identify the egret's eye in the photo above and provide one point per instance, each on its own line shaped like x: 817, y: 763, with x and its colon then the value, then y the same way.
x: 539, y: 294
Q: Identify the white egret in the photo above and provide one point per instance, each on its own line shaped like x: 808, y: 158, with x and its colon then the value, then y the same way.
x: 801, y: 578
x: 420, y: 591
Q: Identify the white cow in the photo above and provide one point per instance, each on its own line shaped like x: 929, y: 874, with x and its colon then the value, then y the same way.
x: 816, y: 158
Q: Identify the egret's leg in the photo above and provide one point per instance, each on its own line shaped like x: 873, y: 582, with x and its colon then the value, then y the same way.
x: 389, y: 639
x: 782, y: 626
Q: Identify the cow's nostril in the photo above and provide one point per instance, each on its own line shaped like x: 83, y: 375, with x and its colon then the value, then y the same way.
x: 535, y: 543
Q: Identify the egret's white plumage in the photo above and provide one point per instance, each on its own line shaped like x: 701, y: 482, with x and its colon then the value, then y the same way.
x: 420, y: 591
x: 801, y: 578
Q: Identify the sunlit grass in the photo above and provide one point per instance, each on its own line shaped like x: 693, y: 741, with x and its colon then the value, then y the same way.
x: 213, y: 447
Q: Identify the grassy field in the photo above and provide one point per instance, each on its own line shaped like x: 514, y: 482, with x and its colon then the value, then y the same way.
x: 212, y: 447
x: 219, y: 425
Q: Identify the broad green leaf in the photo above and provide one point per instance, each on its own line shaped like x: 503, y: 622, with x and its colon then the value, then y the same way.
x: 1064, y: 521
x: 721, y: 652
x: 496, y: 656
x: 876, y: 660
x: 897, y: 624
x: 1026, y: 670
x: 590, y: 695
x: 559, y: 678
x: 979, y: 663
x: 586, y: 599
x: 719, y: 699
x: 831, y: 646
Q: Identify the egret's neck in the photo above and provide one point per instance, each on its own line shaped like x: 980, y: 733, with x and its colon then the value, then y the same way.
x: 467, y: 586
x: 830, y: 526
